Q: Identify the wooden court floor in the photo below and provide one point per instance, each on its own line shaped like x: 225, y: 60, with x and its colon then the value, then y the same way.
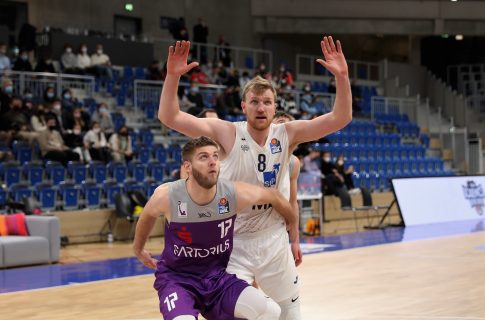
x: 440, y: 278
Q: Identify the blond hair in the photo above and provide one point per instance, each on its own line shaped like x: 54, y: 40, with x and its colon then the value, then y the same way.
x: 258, y: 85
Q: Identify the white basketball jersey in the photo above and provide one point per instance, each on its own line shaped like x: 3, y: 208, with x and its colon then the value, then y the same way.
x: 265, y: 166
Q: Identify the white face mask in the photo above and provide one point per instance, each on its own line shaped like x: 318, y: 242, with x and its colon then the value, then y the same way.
x: 84, y: 50
x: 326, y: 159
x: 77, y: 131
x: 340, y: 162
x: 57, y: 107
x: 68, y: 50
x: 96, y: 130
x: 99, y: 51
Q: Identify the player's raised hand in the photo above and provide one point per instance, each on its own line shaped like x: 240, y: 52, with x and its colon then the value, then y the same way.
x: 334, y: 57
x: 177, y: 59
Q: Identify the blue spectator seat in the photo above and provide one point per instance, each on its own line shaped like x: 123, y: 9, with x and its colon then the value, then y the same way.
x: 55, y: 171
x: 47, y: 196
x: 34, y: 173
x: 19, y: 191
x: 144, y: 154
x: 77, y: 171
x: 98, y: 171
x: 137, y: 170
x: 118, y: 171
x: 22, y: 151
x: 111, y: 188
x: 160, y: 153
x: 156, y: 170
x: 69, y: 193
x: 91, y: 195
x: 11, y: 173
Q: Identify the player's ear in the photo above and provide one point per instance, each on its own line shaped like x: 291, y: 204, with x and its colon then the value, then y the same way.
x: 243, y: 106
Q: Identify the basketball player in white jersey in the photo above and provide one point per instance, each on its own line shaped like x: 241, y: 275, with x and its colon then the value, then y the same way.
x: 258, y: 152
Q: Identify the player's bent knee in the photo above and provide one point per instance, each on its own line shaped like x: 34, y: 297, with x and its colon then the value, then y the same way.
x: 272, y: 311
x: 290, y: 309
x: 184, y: 318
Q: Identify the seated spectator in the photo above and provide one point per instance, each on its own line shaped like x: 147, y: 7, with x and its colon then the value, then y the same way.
x: 60, y: 115
x: 155, y: 71
x: 74, y: 140
x: 52, y: 145
x: 95, y: 141
x: 37, y: 120
x: 83, y: 59
x: 45, y: 65
x: 80, y: 118
x: 198, y: 76
x: 195, y: 97
x: 333, y: 180
x: 345, y: 172
x: 228, y: 102
x: 284, y: 78
x: 6, y: 94
x: 68, y: 102
x: 49, y: 96
x: 306, y: 103
x: 101, y: 63
x: 5, y: 64
x: 23, y: 63
x: 121, y: 145
x: 311, y: 162
x: 15, y: 116
x: 102, y: 116
x: 69, y: 60
x: 263, y: 73
x: 245, y: 78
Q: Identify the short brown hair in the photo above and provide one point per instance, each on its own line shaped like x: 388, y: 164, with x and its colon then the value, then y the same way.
x: 189, y: 148
x: 258, y: 85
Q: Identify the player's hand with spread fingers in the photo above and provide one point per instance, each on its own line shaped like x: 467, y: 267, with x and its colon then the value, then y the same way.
x: 147, y: 260
x: 334, y: 57
x: 177, y: 59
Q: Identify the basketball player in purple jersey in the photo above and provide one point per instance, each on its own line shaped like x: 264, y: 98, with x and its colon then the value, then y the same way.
x: 191, y: 275
x: 258, y: 152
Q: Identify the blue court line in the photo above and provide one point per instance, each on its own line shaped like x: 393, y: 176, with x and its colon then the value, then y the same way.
x: 29, y: 278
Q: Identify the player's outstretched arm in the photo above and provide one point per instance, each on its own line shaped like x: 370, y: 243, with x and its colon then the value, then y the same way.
x: 169, y: 109
x: 309, y: 130
x: 156, y: 206
x: 249, y: 194
x: 295, y: 245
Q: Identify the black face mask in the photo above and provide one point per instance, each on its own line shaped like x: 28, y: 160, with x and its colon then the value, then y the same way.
x: 124, y: 134
x: 51, y: 128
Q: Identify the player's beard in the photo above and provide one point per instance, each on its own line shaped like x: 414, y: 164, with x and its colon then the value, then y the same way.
x: 205, y: 182
x: 258, y: 125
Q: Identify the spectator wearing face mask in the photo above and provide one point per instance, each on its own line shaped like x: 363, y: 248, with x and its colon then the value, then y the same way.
x: 6, y: 94
x: 83, y: 59
x: 52, y: 145
x: 345, y: 171
x: 37, y: 121
x: 306, y: 102
x: 55, y: 111
x: 15, y: 117
x: 74, y: 140
x: 334, y: 181
x: 195, y: 97
x: 101, y: 63
x: 68, y: 102
x: 121, y: 145
x: 69, y: 60
x: 103, y: 117
x: 95, y: 141
x: 23, y: 63
x: 5, y: 64
x: 49, y: 96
